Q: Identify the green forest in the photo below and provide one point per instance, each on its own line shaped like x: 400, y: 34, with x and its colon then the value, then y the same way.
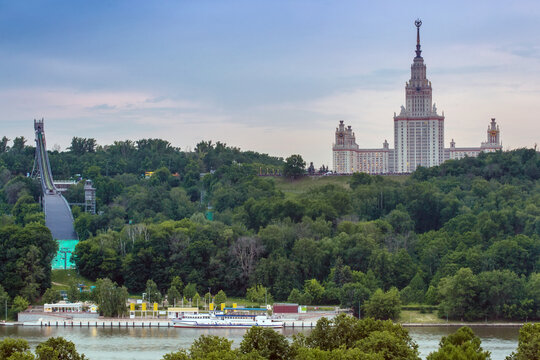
x: 463, y: 237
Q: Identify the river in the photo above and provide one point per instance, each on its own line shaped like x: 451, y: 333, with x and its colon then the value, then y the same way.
x: 152, y: 343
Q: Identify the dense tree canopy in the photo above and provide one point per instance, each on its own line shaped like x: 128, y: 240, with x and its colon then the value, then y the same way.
x: 294, y: 167
x: 464, y: 235
x: 528, y: 344
x: 341, y: 338
x: 54, y: 348
x: 461, y: 345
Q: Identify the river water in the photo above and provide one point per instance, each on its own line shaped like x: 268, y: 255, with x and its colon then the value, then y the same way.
x: 153, y: 343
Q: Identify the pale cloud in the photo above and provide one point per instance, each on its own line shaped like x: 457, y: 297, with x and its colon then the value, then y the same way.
x: 110, y: 116
x: 106, y: 116
x: 103, y: 107
x: 61, y: 103
x: 275, y: 89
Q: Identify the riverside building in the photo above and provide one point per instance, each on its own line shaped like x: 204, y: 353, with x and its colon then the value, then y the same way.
x: 418, y: 133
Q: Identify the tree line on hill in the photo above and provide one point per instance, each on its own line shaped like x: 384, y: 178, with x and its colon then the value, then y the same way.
x: 463, y: 235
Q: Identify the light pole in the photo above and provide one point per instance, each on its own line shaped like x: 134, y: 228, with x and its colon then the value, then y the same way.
x: 65, y: 252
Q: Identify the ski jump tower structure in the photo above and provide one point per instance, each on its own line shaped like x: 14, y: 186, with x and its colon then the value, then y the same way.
x: 58, y: 216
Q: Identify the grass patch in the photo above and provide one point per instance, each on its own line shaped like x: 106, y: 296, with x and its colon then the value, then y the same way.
x: 415, y: 316
x: 397, y: 178
x: 61, y: 279
x: 302, y: 185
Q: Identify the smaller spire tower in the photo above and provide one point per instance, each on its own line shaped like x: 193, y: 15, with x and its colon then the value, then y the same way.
x: 418, y: 23
x: 493, y: 134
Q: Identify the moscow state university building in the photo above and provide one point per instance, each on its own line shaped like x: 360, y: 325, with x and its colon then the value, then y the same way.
x: 418, y: 134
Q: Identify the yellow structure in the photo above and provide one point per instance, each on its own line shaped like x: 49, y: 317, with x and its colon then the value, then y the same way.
x: 211, y: 306
x: 155, y: 306
x: 132, y: 307
x: 143, y: 307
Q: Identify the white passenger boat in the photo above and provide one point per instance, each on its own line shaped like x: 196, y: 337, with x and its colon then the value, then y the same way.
x: 223, y: 321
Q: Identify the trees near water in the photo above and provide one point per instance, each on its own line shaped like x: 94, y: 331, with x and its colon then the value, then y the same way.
x: 259, y: 294
x: 489, y: 295
x: 15, y: 349
x: 366, y: 338
x: 153, y: 294
x: 220, y: 297
x: 528, y: 343
x: 25, y: 259
x: 383, y: 305
x: 57, y: 348
x: 265, y: 343
x: 51, y: 296
x: 110, y: 298
x: 461, y: 345
x: 54, y: 348
x: 340, y: 338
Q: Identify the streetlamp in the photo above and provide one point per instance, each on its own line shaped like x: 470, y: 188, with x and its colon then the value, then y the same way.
x: 65, y: 252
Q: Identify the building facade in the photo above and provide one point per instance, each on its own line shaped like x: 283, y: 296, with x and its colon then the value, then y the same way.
x: 418, y: 133
x: 348, y: 158
x: 492, y: 144
x: 418, y: 129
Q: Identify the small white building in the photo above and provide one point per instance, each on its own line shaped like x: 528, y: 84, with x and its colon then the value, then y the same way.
x: 176, y: 312
x: 63, y: 307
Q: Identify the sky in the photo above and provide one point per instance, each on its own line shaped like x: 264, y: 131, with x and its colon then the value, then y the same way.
x: 271, y: 76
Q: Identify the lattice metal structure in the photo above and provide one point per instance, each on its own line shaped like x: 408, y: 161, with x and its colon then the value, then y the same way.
x: 89, y: 197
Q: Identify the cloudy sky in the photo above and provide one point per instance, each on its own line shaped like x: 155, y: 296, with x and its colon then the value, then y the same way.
x: 272, y: 76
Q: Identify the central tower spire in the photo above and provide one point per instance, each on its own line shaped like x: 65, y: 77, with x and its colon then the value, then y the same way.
x: 418, y: 129
x: 418, y: 23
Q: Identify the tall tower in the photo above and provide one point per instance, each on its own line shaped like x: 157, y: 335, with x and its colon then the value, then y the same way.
x: 493, y: 142
x: 493, y: 133
x: 344, y: 150
x: 418, y: 129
